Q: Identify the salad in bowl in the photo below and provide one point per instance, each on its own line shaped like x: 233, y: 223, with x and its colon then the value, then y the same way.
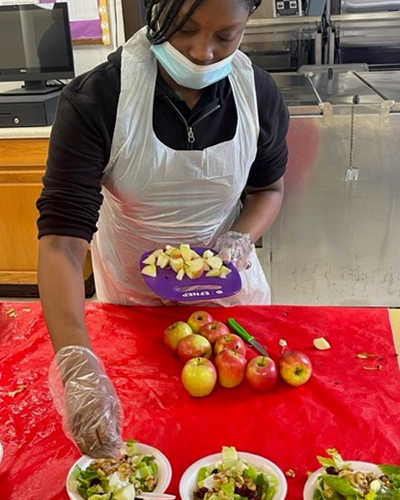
x: 140, y: 469
x: 233, y: 476
x: 352, y: 480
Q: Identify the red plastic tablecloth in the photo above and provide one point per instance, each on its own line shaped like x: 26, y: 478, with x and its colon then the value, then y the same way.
x: 343, y: 405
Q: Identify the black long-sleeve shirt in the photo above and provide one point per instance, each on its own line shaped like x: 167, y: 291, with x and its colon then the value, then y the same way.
x: 82, y: 134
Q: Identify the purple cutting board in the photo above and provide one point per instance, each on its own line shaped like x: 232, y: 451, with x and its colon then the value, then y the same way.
x: 166, y: 285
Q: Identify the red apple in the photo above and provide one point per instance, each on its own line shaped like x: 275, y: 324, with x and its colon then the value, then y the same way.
x: 213, y: 331
x: 194, y: 346
x: 231, y: 366
x: 199, y: 377
x: 295, y: 368
x: 174, y: 333
x: 198, y: 319
x: 230, y: 341
x: 262, y: 373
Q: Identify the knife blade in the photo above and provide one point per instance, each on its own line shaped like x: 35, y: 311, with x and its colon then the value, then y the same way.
x: 246, y: 336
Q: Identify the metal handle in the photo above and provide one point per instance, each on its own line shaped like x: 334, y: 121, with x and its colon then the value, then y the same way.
x: 239, y: 330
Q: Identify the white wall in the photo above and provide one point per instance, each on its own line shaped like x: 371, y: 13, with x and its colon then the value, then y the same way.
x: 89, y: 56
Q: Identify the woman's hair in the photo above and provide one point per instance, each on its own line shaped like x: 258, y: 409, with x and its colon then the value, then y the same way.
x: 159, y: 31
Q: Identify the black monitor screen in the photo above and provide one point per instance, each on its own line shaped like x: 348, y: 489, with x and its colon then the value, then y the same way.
x: 35, y: 39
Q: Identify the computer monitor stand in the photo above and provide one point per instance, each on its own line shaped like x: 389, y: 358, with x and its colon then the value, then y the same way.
x: 33, y: 88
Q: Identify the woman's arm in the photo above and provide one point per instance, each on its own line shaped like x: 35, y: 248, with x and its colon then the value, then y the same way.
x: 260, y: 209
x: 62, y: 291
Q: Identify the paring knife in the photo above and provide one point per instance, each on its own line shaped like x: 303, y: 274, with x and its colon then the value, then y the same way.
x: 246, y: 336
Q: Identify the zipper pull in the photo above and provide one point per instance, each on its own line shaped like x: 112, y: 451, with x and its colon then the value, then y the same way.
x: 191, y: 137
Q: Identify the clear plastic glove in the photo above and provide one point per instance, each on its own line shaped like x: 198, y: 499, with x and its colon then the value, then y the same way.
x: 86, y: 398
x: 236, y: 248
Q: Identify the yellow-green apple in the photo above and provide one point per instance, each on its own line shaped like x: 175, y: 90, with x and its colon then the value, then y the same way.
x: 230, y: 341
x: 194, y: 269
x: 150, y: 270
x: 213, y: 331
x: 174, y: 333
x: 262, y: 373
x: 176, y: 264
x: 231, y: 367
x: 198, y: 319
x: 186, y: 252
x: 176, y: 254
x: 295, y: 368
x: 199, y: 377
x: 194, y: 346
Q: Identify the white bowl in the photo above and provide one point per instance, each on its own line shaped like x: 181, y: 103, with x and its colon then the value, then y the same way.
x: 164, y: 470
x: 311, y: 484
x: 188, y: 483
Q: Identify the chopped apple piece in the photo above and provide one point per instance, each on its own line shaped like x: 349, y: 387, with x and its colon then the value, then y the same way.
x: 180, y: 274
x: 206, y: 266
x: 214, y: 273
x: 160, y: 259
x: 215, y: 262
x: 150, y: 270
x: 208, y: 254
x: 195, y: 255
x: 157, y: 252
x: 195, y: 262
x: 224, y: 271
x: 195, y: 270
x: 164, y: 262
x: 176, y: 253
x: 176, y: 264
x: 186, y: 252
x: 150, y: 259
x: 169, y: 250
x: 321, y: 344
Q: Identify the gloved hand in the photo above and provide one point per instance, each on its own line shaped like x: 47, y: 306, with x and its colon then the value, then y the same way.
x: 86, y: 398
x: 236, y: 248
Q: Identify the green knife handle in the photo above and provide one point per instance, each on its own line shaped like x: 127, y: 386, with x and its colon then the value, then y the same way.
x: 239, y: 329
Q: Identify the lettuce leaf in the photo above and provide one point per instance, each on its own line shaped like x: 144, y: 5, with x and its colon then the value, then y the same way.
x: 341, y: 485
x: 229, y: 457
x: 336, y: 460
x: 229, y: 488
x: 131, y: 448
x: 390, y: 469
x: 318, y: 495
x: 388, y: 494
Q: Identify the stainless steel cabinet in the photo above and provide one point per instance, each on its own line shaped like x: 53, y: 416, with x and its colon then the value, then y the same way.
x: 338, y: 242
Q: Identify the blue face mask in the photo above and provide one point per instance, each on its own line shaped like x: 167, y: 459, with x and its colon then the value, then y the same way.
x: 188, y: 74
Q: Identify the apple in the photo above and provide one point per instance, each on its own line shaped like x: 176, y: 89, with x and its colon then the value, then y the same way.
x: 199, y: 377
x: 230, y: 341
x: 194, y: 346
x: 213, y: 331
x: 262, y: 373
x: 174, y: 333
x: 295, y: 368
x: 198, y: 319
x: 231, y: 366
x: 194, y: 269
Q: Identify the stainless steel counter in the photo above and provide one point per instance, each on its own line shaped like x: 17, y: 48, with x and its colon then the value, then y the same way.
x: 342, y: 87
x: 298, y: 92
x: 387, y: 84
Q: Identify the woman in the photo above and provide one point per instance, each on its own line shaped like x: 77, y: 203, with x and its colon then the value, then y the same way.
x: 166, y: 136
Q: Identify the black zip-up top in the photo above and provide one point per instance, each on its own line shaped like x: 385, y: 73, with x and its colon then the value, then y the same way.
x: 83, y: 130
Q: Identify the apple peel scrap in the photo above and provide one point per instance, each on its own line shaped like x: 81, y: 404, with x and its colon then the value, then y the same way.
x: 185, y: 261
x: 321, y: 344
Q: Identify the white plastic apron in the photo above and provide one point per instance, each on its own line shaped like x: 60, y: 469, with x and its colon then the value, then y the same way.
x: 154, y: 195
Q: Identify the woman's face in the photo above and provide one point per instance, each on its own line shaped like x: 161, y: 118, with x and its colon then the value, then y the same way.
x: 213, y: 32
